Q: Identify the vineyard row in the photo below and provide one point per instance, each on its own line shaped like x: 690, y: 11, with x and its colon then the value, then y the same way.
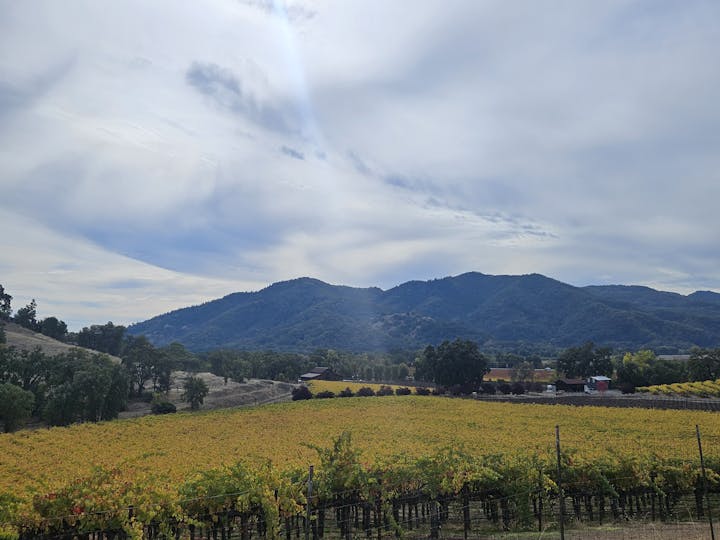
x: 346, y: 497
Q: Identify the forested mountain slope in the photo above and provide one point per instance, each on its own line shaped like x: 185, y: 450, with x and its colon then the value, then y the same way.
x: 305, y: 314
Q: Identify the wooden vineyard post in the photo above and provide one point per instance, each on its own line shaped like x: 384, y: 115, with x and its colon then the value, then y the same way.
x: 653, y: 476
x: 307, y: 505
x: 434, y: 519
x: 559, y: 482
x: 704, y: 478
x: 540, y: 500
x: 466, y: 510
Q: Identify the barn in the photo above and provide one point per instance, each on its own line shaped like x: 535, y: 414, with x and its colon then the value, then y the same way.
x: 320, y: 374
x: 570, y: 385
x: 598, y: 383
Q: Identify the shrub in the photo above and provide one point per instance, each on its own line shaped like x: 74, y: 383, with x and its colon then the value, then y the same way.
x: 504, y: 388
x: 325, y: 394
x: 463, y: 389
x: 163, y: 407
x: 488, y: 387
x: 627, y: 388
x: 517, y: 388
x: 301, y: 392
x: 535, y: 386
x: 365, y: 391
x: 438, y: 391
x: 385, y: 390
x: 422, y: 391
x: 403, y: 391
x: 346, y: 393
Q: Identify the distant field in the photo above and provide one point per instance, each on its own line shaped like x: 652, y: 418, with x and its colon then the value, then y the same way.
x: 339, y: 386
x: 506, y: 374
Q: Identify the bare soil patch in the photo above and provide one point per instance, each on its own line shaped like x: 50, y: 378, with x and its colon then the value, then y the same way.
x: 221, y: 395
x: 630, y: 531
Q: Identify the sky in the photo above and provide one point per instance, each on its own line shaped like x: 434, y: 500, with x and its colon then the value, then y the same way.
x: 155, y: 155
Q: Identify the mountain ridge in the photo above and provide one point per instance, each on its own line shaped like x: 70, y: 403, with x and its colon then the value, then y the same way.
x: 305, y: 313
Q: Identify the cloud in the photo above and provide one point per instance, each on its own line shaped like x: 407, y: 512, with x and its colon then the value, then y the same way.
x: 235, y: 143
x: 83, y: 283
x: 287, y: 10
x: 225, y: 90
x: 291, y: 152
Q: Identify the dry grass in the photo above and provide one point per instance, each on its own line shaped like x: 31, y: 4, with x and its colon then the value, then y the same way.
x: 221, y: 395
x: 24, y: 339
x: 339, y: 386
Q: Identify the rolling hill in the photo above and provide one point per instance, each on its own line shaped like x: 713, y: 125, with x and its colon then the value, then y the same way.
x: 305, y: 314
x: 23, y: 339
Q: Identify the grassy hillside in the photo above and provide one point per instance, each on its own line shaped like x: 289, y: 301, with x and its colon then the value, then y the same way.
x: 24, y: 339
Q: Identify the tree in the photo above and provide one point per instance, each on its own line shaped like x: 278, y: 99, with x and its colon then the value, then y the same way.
x: 27, y: 369
x: 453, y: 363
x: 426, y: 364
x: 643, y: 368
x: 16, y: 405
x: 228, y: 365
x: 509, y: 360
x: 5, y: 308
x: 664, y: 371
x: 84, y: 387
x: 26, y: 316
x: 195, y: 392
x: 54, y: 328
x: 141, y: 359
x: 181, y: 357
x: 107, y: 338
x: 403, y: 371
x: 161, y: 372
x: 585, y: 361
x: 704, y: 364
x: 523, y: 372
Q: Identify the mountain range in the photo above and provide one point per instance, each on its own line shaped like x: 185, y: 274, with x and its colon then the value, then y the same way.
x: 306, y: 314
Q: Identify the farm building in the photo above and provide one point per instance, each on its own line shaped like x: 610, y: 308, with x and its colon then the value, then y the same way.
x: 320, y: 374
x: 598, y: 383
x: 570, y: 385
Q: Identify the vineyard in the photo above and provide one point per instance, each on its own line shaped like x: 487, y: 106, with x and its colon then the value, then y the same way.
x: 382, y: 465
x: 338, y: 386
x: 702, y: 389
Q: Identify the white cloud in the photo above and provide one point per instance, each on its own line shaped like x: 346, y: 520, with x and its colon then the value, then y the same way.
x: 83, y: 283
x: 227, y: 144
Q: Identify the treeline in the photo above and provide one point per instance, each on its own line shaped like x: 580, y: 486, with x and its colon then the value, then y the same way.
x: 86, y: 386
x: 27, y: 317
x: 641, y: 368
x: 152, y: 366
x: 71, y: 387
x: 82, y: 386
